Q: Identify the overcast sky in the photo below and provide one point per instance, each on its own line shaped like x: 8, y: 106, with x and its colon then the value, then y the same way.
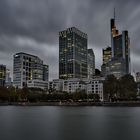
x: 32, y: 26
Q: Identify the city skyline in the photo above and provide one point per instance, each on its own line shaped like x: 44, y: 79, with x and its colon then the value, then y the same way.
x: 23, y: 28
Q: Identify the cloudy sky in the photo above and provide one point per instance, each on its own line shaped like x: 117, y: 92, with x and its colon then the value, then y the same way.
x: 32, y: 26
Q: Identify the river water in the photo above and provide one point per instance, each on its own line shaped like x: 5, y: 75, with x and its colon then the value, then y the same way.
x: 69, y: 123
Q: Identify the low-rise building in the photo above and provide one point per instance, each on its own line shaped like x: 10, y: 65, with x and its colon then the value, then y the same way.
x: 37, y: 84
x: 89, y: 86
x: 138, y: 77
x: 74, y: 85
x: 56, y: 84
x: 95, y: 86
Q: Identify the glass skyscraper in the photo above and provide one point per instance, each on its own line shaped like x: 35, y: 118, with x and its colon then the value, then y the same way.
x: 117, y: 61
x: 2, y: 75
x: 45, y: 72
x: 72, y: 54
x: 120, y: 44
x: 107, y: 54
x: 91, y: 63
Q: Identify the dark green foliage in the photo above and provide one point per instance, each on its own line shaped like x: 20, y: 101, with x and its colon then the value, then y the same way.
x: 124, y: 88
x: 94, y: 97
x: 110, y: 87
x: 4, y: 94
x: 128, y: 87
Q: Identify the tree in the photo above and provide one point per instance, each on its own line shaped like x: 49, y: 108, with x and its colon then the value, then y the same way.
x: 94, y: 97
x: 110, y: 87
x: 127, y: 87
x: 79, y: 95
x: 13, y: 94
x: 4, y: 94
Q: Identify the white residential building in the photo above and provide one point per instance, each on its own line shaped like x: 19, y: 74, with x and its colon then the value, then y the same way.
x: 27, y: 67
x: 90, y: 86
x: 73, y: 85
x: 56, y: 84
x: 95, y: 87
x: 37, y: 84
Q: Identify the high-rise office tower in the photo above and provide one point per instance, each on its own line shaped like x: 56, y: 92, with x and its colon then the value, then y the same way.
x: 120, y: 46
x: 72, y: 54
x: 45, y: 73
x: 8, y: 81
x: 91, y: 63
x: 2, y: 75
x: 137, y: 75
x: 26, y: 67
x: 107, y: 54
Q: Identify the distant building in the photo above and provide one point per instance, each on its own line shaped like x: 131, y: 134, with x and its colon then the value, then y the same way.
x: 138, y: 77
x: 95, y: 86
x: 138, y: 89
x: 56, y: 85
x: 119, y: 64
x: 116, y: 67
x: 2, y: 75
x: 107, y: 54
x: 72, y: 54
x: 89, y: 86
x: 74, y: 85
x: 91, y: 63
x: 26, y: 67
x: 8, y: 81
x: 37, y: 84
x: 120, y: 44
x: 45, y: 73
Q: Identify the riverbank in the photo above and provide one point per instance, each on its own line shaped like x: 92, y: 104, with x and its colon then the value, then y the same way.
x: 105, y: 104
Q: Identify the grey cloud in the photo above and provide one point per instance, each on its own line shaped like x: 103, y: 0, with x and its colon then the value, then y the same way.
x: 33, y: 25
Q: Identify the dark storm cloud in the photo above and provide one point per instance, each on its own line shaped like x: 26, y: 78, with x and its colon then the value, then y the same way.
x: 33, y: 25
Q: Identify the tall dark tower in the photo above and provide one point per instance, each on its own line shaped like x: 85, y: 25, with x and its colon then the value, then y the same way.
x: 114, y: 31
x: 120, y: 61
x: 126, y: 50
x: 72, y: 54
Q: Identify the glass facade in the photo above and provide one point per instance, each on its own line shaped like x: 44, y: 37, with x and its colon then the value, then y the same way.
x: 91, y: 63
x: 26, y: 67
x: 120, y: 44
x: 2, y: 75
x: 72, y: 54
x: 45, y: 73
x: 116, y: 60
x: 107, y: 54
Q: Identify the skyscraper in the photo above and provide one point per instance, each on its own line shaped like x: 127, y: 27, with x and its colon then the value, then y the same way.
x: 107, y: 54
x: 45, y: 73
x: 91, y: 63
x: 26, y: 67
x: 72, y: 54
x: 137, y: 77
x: 8, y: 81
x: 2, y: 75
x: 119, y: 64
x: 120, y: 44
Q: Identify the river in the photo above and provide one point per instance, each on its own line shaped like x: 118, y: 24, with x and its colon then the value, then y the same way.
x: 69, y: 123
